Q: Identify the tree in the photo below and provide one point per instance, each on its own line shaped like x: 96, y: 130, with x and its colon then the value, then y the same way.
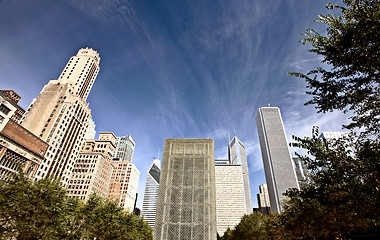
x: 104, y: 219
x: 42, y: 210
x: 31, y: 210
x: 351, y: 49
x: 343, y: 190
x: 251, y: 227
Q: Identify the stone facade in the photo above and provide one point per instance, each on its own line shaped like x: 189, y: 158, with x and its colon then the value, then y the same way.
x: 93, y: 168
x: 279, y: 170
x: 60, y: 114
x: 230, y: 196
x: 123, y: 184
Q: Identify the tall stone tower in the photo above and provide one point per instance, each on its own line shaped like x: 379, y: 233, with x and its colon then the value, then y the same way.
x: 238, y: 155
x: 279, y: 171
x: 186, y: 205
x: 59, y: 115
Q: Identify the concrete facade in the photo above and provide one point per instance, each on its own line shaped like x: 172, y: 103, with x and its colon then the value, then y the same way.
x: 279, y: 170
x: 124, y: 183
x: 238, y: 155
x: 263, y: 199
x: 93, y: 168
x: 302, y: 172
x: 230, y: 195
x: 186, y: 205
x: 12, y: 98
x: 60, y: 114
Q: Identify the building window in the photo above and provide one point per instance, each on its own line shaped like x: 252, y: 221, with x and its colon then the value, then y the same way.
x: 4, y: 109
x: 1, y: 119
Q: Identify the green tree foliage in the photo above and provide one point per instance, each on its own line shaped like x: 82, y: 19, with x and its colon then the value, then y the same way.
x: 351, y: 50
x: 251, y: 227
x: 343, y: 195
x: 31, y: 210
x: 41, y: 210
x: 105, y: 220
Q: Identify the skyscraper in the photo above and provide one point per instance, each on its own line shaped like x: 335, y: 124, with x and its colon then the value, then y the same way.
x: 302, y: 172
x: 279, y: 170
x: 92, y: 170
x: 125, y: 176
x: 186, y: 196
x: 238, y: 155
x: 151, y: 193
x: 125, y: 147
x: 124, y: 183
x: 230, y: 196
x: 59, y: 115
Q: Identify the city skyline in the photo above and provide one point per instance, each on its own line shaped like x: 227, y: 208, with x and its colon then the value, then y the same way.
x: 170, y: 70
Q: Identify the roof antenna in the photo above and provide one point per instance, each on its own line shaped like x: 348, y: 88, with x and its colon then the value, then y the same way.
x: 158, y: 155
x: 234, y: 133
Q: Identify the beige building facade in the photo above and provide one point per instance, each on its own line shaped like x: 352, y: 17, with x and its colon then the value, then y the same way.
x: 230, y: 195
x: 93, y: 168
x: 263, y: 199
x: 123, y: 184
x: 60, y: 114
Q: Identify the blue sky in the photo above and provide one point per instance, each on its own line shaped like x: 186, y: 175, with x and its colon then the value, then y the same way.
x: 172, y: 69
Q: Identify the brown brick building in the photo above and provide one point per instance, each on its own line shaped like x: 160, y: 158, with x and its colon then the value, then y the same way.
x: 19, y: 148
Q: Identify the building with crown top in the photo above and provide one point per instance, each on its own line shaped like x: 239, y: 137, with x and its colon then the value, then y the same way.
x: 60, y: 114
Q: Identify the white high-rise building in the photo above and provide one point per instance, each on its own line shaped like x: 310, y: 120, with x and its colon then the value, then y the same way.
x: 238, y: 155
x: 90, y: 134
x: 151, y: 193
x: 230, y: 197
x: 302, y: 172
x: 334, y: 135
x: 279, y: 170
x: 60, y: 114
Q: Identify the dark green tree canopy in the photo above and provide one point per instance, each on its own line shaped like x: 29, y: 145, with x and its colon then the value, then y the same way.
x: 42, y: 210
x: 351, y: 50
